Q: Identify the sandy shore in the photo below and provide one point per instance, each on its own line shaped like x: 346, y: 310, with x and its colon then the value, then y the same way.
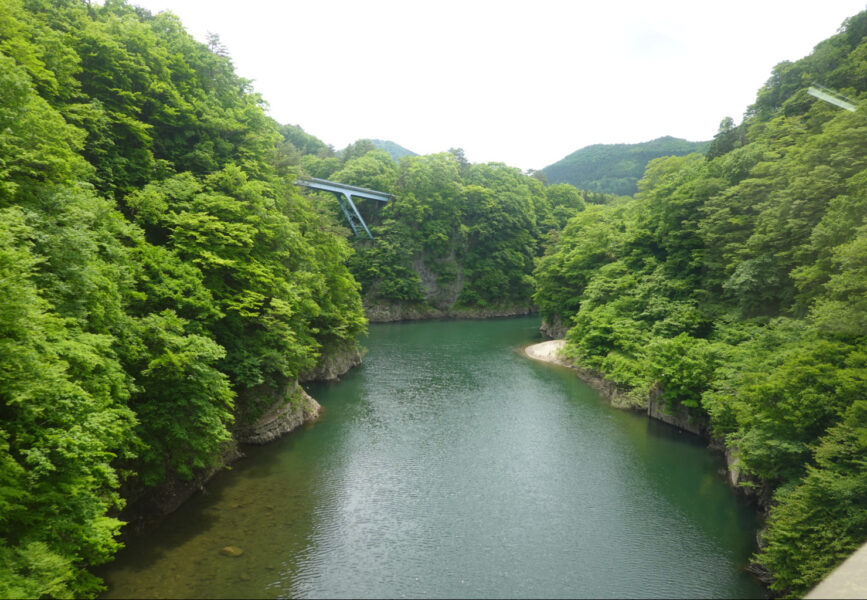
x: 547, y: 352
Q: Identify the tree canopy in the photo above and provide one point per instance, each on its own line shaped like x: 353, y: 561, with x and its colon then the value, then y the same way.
x: 156, y: 265
x: 734, y: 285
x: 162, y: 279
x: 615, y: 168
x: 457, y: 235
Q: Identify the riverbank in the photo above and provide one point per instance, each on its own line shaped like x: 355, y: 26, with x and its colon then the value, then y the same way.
x: 453, y: 465
x: 548, y: 352
x: 283, y: 409
x: 390, y: 313
x: 551, y: 352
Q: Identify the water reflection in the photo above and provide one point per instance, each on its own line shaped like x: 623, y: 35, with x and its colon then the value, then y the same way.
x: 451, y: 466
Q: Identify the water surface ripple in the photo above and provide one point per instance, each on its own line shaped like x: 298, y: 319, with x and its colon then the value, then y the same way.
x: 450, y: 465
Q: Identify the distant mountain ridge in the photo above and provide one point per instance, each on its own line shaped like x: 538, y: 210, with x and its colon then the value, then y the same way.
x: 616, y: 168
x: 396, y: 151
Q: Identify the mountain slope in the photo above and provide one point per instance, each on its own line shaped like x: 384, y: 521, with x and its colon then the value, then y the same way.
x: 396, y: 151
x: 616, y: 168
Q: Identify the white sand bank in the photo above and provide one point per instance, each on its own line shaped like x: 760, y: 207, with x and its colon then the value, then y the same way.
x: 547, y: 352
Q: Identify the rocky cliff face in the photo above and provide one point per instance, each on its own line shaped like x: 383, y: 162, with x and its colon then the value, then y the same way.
x: 681, y: 417
x: 554, y: 328
x: 273, y: 411
x: 293, y: 410
x: 278, y: 410
x: 387, y: 313
x: 334, y: 364
x: 440, y: 296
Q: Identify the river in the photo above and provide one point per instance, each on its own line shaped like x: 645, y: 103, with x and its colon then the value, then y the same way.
x: 450, y: 465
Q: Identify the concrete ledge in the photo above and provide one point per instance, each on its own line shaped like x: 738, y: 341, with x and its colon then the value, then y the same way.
x: 849, y: 580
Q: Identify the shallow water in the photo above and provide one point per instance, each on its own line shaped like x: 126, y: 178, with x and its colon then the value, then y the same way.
x: 449, y: 465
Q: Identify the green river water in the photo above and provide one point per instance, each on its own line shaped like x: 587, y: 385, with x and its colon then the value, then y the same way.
x: 450, y: 465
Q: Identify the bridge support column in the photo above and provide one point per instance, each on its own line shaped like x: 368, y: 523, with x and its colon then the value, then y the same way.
x: 350, y: 211
x: 344, y: 194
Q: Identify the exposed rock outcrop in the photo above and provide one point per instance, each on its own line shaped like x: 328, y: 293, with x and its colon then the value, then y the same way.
x: 732, y: 469
x: 681, y: 417
x: 388, y: 313
x: 270, y: 412
x: 275, y: 411
x: 441, y: 295
x: 551, y: 352
x: 292, y: 408
x: 618, y: 396
x: 147, y: 505
x: 654, y: 405
x: 334, y: 364
x: 554, y: 328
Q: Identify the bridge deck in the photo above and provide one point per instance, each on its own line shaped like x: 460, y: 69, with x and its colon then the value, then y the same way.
x: 831, y: 96
x: 334, y: 186
x: 344, y: 194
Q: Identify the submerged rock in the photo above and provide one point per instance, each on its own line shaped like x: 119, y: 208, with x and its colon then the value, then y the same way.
x: 231, y: 551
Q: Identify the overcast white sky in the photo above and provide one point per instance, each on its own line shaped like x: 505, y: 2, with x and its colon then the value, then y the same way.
x: 524, y: 83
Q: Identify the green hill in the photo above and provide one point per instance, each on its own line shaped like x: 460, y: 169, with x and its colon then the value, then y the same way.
x: 162, y: 283
x: 396, y: 151
x: 732, y: 287
x: 616, y: 168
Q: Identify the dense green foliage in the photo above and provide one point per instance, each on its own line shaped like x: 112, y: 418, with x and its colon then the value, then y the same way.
x: 155, y: 263
x: 616, y: 168
x: 158, y: 269
x: 735, y: 285
x: 457, y: 235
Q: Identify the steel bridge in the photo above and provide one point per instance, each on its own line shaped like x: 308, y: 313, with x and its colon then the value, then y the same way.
x: 831, y: 96
x: 344, y: 194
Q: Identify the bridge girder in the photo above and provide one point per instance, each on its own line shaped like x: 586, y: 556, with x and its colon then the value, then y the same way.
x: 344, y: 194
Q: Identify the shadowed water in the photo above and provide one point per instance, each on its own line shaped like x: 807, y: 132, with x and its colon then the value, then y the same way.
x: 450, y: 465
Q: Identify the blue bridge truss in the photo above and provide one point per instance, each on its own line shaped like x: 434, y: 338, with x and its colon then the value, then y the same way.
x: 345, y: 194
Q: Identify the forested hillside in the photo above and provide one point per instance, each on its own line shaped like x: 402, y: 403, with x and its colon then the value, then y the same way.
x: 164, y: 284
x: 734, y: 285
x: 616, y: 168
x: 458, y: 239
x: 161, y: 280
x: 396, y: 151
